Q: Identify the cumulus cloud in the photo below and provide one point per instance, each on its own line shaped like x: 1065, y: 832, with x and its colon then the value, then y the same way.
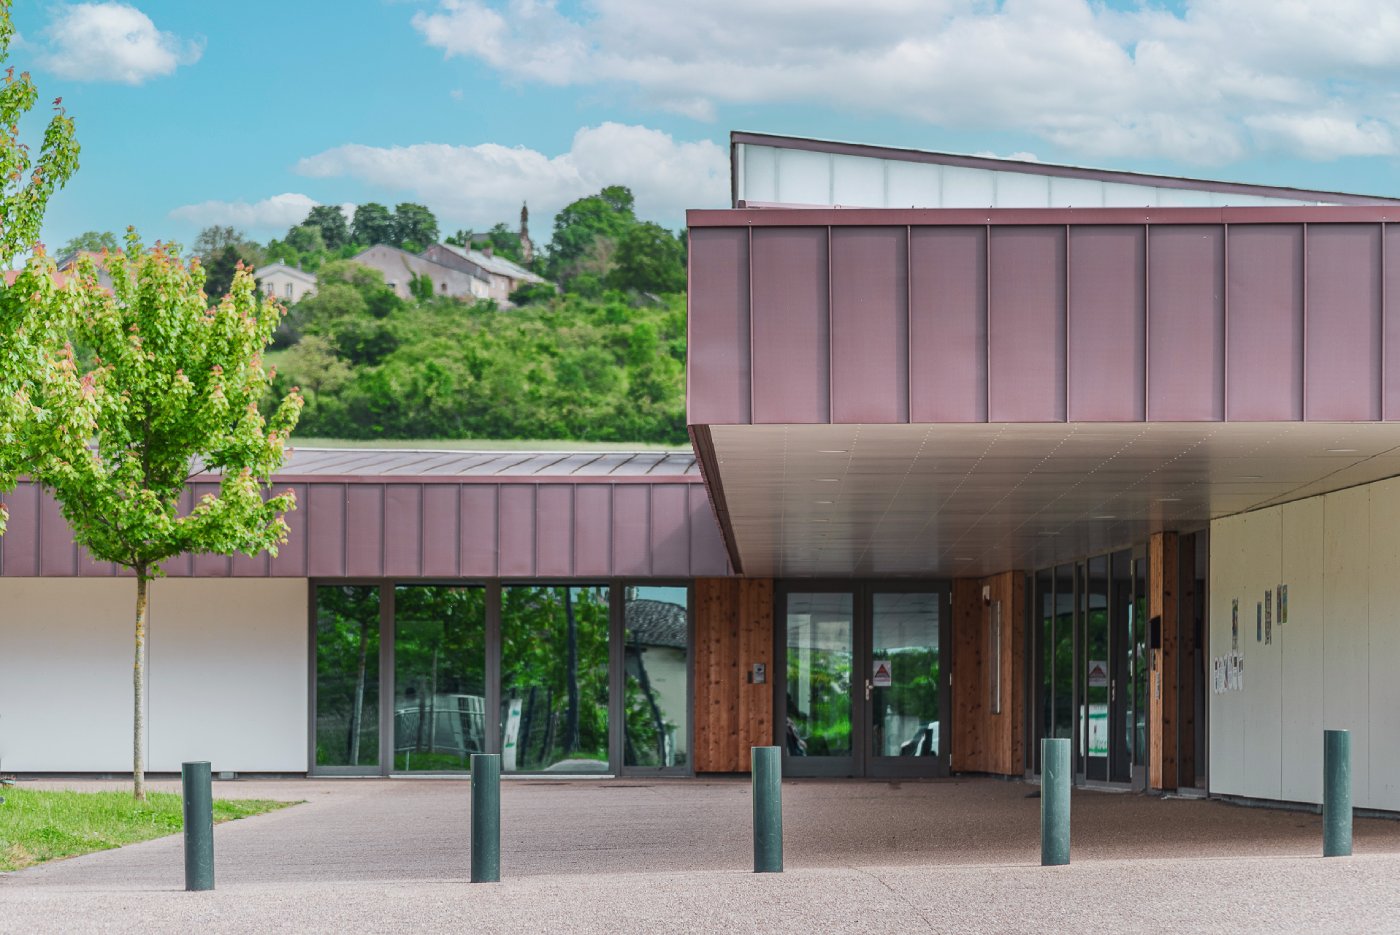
x: 476, y: 186
x: 113, y: 42
x: 278, y: 212
x: 1209, y: 81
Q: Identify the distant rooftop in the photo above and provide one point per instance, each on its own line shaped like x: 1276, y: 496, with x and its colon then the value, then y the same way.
x: 503, y: 465
x: 769, y: 170
x: 495, y: 264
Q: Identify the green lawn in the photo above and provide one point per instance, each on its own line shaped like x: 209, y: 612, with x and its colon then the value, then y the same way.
x: 37, y: 825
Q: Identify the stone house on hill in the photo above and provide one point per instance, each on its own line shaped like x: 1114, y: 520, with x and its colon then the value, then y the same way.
x: 503, y: 276
x: 399, y: 267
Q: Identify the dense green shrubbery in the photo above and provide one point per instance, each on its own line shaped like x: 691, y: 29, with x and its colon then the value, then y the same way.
x: 606, y: 369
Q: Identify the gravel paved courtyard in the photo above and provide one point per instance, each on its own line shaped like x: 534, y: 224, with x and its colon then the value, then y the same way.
x: 955, y: 855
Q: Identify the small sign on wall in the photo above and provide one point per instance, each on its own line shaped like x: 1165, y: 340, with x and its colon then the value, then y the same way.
x: 1235, y: 625
x: 882, y: 675
x: 1282, y: 604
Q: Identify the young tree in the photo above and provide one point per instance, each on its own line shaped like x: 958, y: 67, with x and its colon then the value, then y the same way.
x: 587, y: 229
x: 26, y: 184
x: 373, y: 224
x: 171, y: 391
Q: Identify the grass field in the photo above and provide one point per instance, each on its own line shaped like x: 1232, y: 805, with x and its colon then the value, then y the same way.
x: 38, y: 825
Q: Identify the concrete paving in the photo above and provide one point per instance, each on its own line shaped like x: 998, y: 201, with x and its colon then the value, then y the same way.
x: 674, y: 856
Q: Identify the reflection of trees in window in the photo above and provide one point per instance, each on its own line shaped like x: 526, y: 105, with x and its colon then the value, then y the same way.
x: 440, y: 678
x: 823, y: 719
x: 655, y: 656
x: 347, y: 676
x: 555, y: 701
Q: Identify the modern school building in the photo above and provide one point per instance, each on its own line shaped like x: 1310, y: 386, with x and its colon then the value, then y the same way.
x: 983, y: 451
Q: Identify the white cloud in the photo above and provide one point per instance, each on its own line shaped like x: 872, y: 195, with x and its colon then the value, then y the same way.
x: 1211, y: 83
x: 476, y: 186
x: 113, y: 42
x: 278, y: 212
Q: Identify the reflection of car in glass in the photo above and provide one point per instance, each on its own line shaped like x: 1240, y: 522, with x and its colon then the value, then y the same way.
x: 923, y: 743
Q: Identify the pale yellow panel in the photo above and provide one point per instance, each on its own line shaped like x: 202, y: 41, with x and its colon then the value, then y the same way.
x: 1384, y: 748
x: 1263, y: 688
x: 1227, y: 549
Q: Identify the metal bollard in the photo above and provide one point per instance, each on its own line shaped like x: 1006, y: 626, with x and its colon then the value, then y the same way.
x: 1336, y: 793
x: 486, y: 818
x: 199, y: 825
x: 767, y: 809
x: 1055, y: 781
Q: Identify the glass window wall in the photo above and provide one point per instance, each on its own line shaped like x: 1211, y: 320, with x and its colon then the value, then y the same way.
x: 347, y: 676
x: 554, y: 679
x: 656, y: 661
x: 820, y: 656
x: 439, y: 677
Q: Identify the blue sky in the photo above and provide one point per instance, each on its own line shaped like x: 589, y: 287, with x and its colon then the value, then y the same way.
x: 198, y: 113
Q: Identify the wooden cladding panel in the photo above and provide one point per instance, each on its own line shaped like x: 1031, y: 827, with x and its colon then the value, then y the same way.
x: 733, y: 630
x: 984, y: 741
x: 1162, y: 604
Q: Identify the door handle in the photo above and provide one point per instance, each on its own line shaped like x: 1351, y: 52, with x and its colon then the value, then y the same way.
x: 868, y: 686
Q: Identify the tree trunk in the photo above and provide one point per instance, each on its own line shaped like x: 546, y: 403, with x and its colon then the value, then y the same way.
x: 656, y: 718
x: 138, y: 681
x: 571, y: 738
x: 354, y: 745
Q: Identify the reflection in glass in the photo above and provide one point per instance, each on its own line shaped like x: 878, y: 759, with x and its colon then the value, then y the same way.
x: 819, y: 662
x: 1139, y: 663
x: 554, y: 679
x: 1045, y: 600
x: 1096, y: 667
x: 439, y: 677
x: 347, y: 676
x: 904, y: 634
x: 1063, y: 677
x: 657, y: 666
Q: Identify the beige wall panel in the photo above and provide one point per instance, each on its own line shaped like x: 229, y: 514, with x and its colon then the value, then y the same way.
x: 1384, y: 656
x: 1226, y: 748
x: 1263, y: 691
x: 1346, y: 667
x: 1301, y: 641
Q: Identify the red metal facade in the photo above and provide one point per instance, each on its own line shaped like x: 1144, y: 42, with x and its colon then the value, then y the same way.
x: 404, y: 528
x: 1043, y: 315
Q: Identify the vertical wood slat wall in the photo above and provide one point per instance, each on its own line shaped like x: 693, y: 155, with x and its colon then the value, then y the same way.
x: 733, y: 630
x: 984, y: 742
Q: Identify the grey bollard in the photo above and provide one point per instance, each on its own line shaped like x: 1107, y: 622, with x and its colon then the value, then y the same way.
x: 767, y: 809
x: 1336, y: 793
x: 486, y: 818
x: 199, y: 825
x: 1054, y: 801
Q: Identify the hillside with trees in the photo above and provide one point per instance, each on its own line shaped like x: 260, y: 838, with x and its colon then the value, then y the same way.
x: 599, y: 358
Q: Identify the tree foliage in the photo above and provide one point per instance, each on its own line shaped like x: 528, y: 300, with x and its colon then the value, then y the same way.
x: 90, y: 242
x: 373, y: 224
x: 415, y: 229
x: 27, y: 183
x: 648, y: 259
x: 586, y: 232
x: 330, y: 221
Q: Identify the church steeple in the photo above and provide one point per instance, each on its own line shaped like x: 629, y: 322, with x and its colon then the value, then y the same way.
x: 527, y: 249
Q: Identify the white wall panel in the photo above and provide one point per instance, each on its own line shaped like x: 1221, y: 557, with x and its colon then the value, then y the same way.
x: 65, y: 674
x: 228, y: 668
x: 1227, y: 552
x: 1263, y: 694
x: 858, y: 181
x: 1346, y: 593
x: 227, y: 674
x: 1335, y: 664
x: 1384, y: 654
x: 1303, y: 700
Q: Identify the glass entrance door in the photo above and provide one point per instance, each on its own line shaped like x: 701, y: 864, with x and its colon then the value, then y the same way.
x: 863, y: 683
